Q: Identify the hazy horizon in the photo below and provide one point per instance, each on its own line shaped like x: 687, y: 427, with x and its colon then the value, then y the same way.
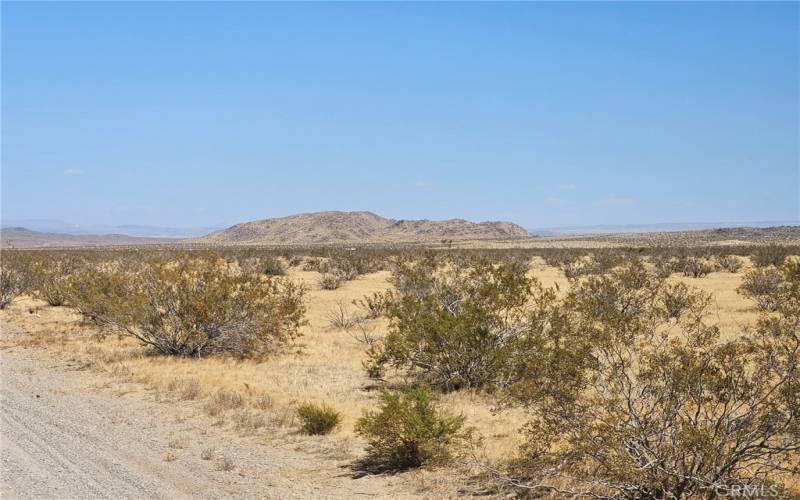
x: 64, y: 227
x: 549, y: 115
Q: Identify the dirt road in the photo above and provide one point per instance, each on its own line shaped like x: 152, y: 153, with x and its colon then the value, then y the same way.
x: 62, y: 437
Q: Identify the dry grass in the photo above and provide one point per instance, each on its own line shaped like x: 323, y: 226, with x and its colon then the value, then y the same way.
x: 249, y: 396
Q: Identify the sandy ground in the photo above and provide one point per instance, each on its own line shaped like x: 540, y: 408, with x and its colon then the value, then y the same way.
x: 61, y: 439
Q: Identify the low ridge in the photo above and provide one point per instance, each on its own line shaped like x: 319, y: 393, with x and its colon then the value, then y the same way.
x: 357, y: 227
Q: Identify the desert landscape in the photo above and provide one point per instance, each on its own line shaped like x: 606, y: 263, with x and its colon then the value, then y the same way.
x: 268, y: 360
x: 399, y: 250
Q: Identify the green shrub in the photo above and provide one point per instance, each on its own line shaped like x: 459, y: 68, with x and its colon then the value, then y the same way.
x: 318, y: 419
x: 99, y: 293
x: 408, y: 429
x: 455, y: 326
x: 12, y: 283
x: 51, y: 280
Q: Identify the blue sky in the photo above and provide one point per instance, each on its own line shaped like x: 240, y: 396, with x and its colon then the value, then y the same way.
x: 547, y: 114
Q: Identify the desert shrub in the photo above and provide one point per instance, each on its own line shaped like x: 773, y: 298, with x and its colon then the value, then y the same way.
x: 604, y: 260
x: 374, y: 306
x: 730, y: 263
x: 762, y: 285
x: 678, y: 298
x: 312, y: 264
x: 697, y: 267
x: 626, y: 295
x: 454, y: 327
x: 600, y: 261
x: 354, y: 264
x: 625, y: 406
x: 769, y: 255
x: 318, y: 419
x: 268, y: 266
x: 408, y: 429
x: 197, y: 307
x: 12, y: 283
x: 273, y: 266
x: 331, y: 281
x: 577, y: 268
x: 99, y: 293
x: 50, y: 279
x: 340, y: 316
x: 664, y: 265
x: 223, y: 400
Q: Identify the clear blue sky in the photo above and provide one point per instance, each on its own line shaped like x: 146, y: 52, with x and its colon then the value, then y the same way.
x: 184, y: 114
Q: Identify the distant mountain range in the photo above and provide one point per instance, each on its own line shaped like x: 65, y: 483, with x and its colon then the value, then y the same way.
x: 654, y: 228
x: 61, y: 227
x: 20, y: 237
x: 321, y: 228
x: 358, y: 227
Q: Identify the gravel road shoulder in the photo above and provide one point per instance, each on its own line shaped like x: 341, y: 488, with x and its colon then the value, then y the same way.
x: 62, y: 437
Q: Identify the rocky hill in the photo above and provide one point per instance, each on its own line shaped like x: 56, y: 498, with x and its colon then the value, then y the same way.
x: 357, y: 227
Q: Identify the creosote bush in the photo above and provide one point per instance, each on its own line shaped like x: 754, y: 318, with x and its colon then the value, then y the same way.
x: 318, y: 419
x: 769, y: 255
x: 12, y: 283
x: 762, y: 285
x: 627, y: 403
x: 50, y: 279
x: 408, y: 429
x: 678, y: 298
x: 194, y: 306
x: 455, y: 326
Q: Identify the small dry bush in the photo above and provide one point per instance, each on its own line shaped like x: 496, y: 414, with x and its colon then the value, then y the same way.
x: 248, y: 420
x: 374, y: 306
x: 697, y: 267
x: 318, y: 419
x: 223, y: 400
x: 273, y: 266
x: 312, y: 264
x: 340, y: 316
x: 730, y: 263
x: 409, y: 429
x: 331, y: 281
x: 185, y: 389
